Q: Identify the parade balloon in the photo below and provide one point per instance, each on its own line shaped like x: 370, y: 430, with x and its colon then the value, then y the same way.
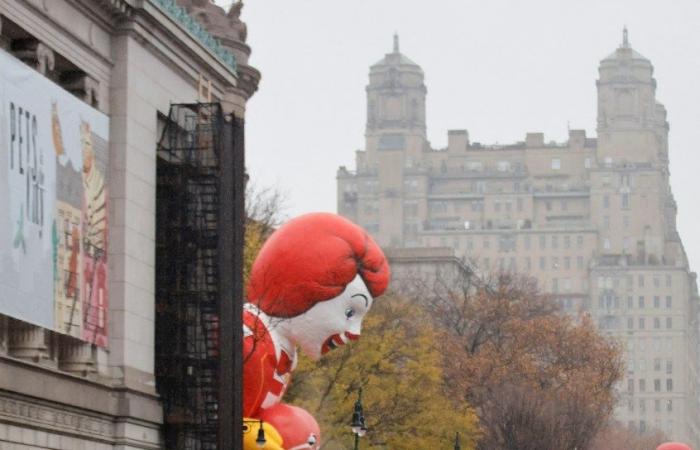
x: 310, y: 286
x: 673, y: 446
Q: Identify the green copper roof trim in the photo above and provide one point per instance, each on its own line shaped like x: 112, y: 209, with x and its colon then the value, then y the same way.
x: 179, y: 14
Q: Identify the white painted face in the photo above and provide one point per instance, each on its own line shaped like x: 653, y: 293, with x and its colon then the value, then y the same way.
x: 331, y: 323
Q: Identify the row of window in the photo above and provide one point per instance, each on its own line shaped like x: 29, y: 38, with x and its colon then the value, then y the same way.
x: 640, y: 365
x: 614, y: 282
x: 656, y: 322
x: 611, y: 301
x: 656, y: 345
x: 642, y: 383
x: 659, y: 405
x: 632, y: 425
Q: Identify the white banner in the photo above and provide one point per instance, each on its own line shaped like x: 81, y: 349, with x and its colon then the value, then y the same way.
x: 53, y: 198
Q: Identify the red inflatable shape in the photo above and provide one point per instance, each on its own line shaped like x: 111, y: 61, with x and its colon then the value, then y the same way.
x: 299, y: 428
x: 673, y: 446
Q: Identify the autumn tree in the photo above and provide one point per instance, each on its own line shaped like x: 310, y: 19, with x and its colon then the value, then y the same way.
x: 397, y: 362
x: 264, y: 211
x: 537, y: 378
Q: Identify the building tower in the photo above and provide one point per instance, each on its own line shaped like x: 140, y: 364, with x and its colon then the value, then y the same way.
x: 395, y: 141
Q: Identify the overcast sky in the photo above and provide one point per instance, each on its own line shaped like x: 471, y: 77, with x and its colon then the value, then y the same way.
x: 498, y: 68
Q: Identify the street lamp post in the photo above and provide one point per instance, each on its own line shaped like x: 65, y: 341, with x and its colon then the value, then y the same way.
x: 457, y: 445
x: 358, y: 420
x: 260, y: 440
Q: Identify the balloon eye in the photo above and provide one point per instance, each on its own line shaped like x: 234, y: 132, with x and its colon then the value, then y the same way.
x: 349, y: 312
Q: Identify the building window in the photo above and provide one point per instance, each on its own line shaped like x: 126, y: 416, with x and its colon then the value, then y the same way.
x: 556, y: 163
x: 668, y: 280
x: 642, y: 385
x: 626, y: 221
x: 642, y: 323
x: 657, y: 402
x: 587, y: 163
x: 548, y: 205
x: 669, y: 384
x: 669, y: 323
x: 640, y: 280
x: 626, y: 244
x: 497, y: 206
x: 669, y: 403
x: 657, y: 302
x: 630, y: 323
x: 519, y: 203
x: 579, y: 241
x: 630, y: 385
x: 668, y: 302
x: 641, y: 302
x: 625, y: 200
x: 606, y: 222
x: 606, y: 243
x: 630, y: 302
x: 657, y: 323
x: 567, y: 262
x: 579, y: 262
x: 657, y: 281
x: 606, y: 201
x: 669, y: 366
x: 542, y: 262
x: 608, y: 161
x: 555, y: 285
x: 657, y: 366
x: 487, y: 242
x: 555, y: 241
x: 526, y: 239
x: 543, y: 241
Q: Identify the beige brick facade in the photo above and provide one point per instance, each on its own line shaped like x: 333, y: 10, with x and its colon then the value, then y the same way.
x: 593, y: 219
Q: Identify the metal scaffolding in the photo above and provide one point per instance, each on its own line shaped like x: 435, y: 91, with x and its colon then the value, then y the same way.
x: 198, y: 290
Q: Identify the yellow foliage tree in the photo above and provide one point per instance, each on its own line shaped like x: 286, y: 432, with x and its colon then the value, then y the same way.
x: 397, y: 362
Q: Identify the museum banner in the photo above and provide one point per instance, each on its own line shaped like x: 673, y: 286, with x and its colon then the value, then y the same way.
x: 54, y: 231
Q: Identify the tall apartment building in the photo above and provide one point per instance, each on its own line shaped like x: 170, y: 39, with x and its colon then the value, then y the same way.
x: 593, y: 219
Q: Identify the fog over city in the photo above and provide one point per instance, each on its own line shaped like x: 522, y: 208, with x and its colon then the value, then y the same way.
x: 498, y: 69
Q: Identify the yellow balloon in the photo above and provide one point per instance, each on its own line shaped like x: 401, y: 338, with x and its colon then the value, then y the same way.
x: 273, y: 440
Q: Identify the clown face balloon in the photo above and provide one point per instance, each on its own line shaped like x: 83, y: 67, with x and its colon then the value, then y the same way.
x: 310, y: 286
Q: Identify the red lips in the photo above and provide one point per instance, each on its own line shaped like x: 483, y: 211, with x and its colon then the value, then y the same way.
x: 336, y: 341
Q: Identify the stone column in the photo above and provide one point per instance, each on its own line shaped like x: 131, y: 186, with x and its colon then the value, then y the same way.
x: 4, y: 344
x: 31, y: 343
x: 77, y: 356
x: 4, y: 42
x: 82, y: 86
x: 35, y: 54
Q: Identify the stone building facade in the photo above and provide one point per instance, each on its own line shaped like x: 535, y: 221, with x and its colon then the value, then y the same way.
x: 593, y: 219
x: 130, y: 59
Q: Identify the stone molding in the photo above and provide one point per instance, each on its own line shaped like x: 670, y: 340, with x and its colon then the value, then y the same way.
x: 39, y: 415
